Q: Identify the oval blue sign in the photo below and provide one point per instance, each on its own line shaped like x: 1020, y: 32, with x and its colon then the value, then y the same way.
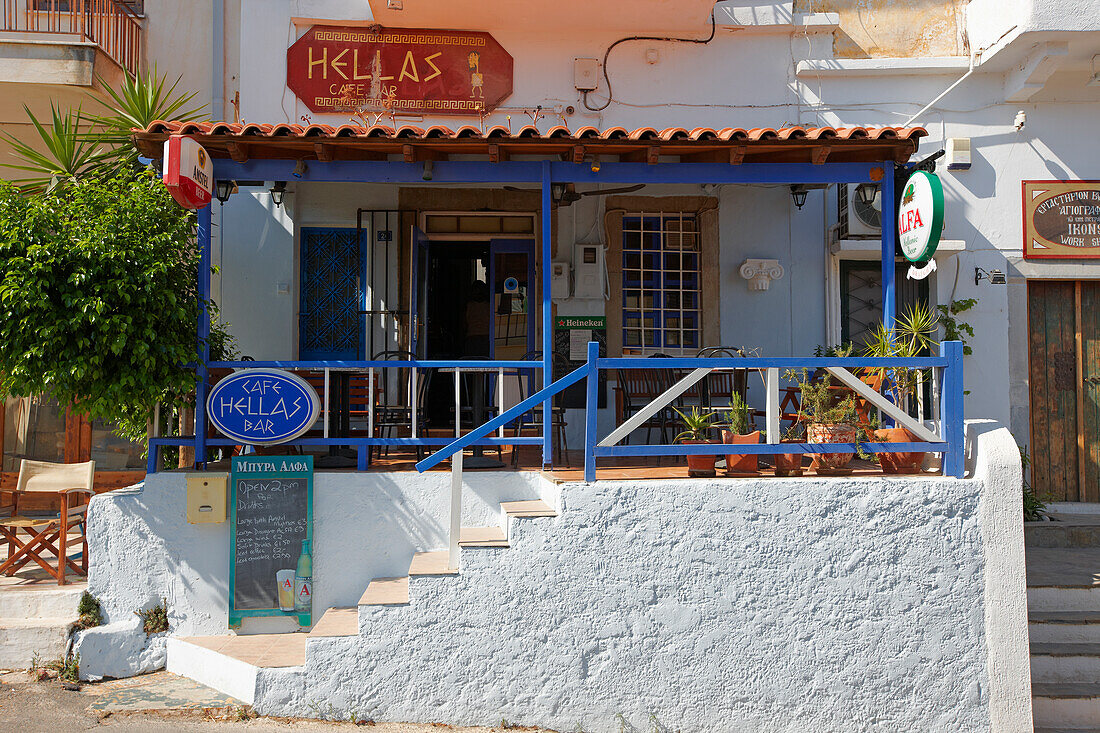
x: 262, y: 406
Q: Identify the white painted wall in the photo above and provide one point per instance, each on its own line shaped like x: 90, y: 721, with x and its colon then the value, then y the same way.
x: 845, y: 604
x: 769, y: 604
x: 365, y: 525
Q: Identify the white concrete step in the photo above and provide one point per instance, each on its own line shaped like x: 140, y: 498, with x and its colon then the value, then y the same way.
x: 1052, y: 599
x: 1060, y: 705
x: 52, y: 603
x: 1073, y: 662
x: 1064, y: 627
x: 431, y: 563
x: 337, y: 622
x: 482, y: 537
x: 213, y: 669
x: 386, y: 592
x: 527, y: 508
x: 22, y: 638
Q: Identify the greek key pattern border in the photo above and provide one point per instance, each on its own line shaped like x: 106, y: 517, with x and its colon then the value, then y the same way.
x: 412, y: 39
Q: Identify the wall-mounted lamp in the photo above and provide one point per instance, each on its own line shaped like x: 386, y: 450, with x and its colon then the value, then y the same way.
x: 428, y: 173
x: 278, y: 191
x: 867, y: 193
x: 299, y: 168
x: 596, y: 164
x: 557, y: 192
x: 995, y: 277
x: 224, y: 189
x: 798, y: 194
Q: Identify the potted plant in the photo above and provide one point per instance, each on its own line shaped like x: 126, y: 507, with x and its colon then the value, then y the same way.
x: 736, y: 430
x: 830, y: 417
x: 790, y: 464
x: 911, y: 336
x: 697, y: 428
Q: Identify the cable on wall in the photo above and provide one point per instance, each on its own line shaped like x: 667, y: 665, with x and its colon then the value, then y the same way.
x: 607, y: 53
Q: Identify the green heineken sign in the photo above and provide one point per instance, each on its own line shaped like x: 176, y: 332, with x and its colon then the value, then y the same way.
x: 568, y: 323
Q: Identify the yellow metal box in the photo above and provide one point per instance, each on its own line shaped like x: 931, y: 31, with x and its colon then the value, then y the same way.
x: 207, y: 498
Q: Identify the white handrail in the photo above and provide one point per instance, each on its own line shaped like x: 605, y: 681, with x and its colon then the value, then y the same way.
x: 659, y: 403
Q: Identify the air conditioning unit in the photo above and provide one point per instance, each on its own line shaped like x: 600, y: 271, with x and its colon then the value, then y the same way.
x: 858, y: 220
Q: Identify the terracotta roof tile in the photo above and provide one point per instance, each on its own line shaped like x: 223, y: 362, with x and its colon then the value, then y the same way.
x: 887, y: 142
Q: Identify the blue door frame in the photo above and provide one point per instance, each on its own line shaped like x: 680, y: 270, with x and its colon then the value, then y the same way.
x: 512, y: 246
x: 542, y: 173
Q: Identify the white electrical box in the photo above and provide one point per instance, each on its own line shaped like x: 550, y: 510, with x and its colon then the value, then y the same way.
x: 559, y: 280
x: 958, y: 153
x: 586, y: 74
x: 589, y: 271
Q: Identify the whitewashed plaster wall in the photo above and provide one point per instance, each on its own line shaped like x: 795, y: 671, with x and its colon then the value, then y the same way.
x: 365, y: 525
x: 806, y: 604
x: 253, y: 245
x: 769, y: 605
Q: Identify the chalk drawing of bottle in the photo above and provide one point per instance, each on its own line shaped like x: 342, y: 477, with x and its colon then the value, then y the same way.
x: 303, y: 581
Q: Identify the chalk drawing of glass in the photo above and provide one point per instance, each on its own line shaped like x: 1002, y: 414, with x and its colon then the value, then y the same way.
x: 285, y: 579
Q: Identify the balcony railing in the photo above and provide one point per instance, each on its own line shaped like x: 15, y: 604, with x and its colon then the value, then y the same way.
x: 110, y: 24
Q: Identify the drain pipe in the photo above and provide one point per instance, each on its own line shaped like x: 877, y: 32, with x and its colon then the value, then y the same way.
x: 945, y: 92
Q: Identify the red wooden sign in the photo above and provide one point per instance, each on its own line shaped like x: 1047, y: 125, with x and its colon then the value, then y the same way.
x: 340, y: 69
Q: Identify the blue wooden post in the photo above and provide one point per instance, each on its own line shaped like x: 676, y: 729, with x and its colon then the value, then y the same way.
x: 547, y: 318
x: 591, y: 404
x: 951, y: 409
x: 204, y: 336
x: 889, y: 245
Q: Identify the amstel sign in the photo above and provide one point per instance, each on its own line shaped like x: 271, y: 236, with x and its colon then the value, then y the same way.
x: 345, y: 69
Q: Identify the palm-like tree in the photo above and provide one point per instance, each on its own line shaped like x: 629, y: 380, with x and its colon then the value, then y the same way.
x: 67, y: 151
x: 75, y: 145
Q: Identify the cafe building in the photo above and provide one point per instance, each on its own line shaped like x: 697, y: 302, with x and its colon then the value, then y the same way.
x: 481, y: 275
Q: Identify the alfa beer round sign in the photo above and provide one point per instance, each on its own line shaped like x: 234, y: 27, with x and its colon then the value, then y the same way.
x: 262, y: 406
x: 920, y: 216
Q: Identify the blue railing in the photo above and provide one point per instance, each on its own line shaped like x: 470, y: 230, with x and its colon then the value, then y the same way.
x: 944, y: 437
x: 201, y: 441
x: 947, y: 382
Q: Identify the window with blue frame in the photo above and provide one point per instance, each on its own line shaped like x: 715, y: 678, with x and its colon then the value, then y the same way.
x: 661, y: 283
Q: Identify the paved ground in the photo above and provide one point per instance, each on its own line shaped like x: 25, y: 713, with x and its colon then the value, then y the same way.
x: 157, y: 703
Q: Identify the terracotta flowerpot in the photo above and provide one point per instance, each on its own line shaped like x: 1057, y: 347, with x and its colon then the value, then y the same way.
x: 739, y: 463
x: 831, y: 433
x: 899, y: 462
x: 788, y: 464
x: 700, y: 466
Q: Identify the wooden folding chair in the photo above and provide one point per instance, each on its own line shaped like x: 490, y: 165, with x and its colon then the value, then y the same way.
x: 49, y: 532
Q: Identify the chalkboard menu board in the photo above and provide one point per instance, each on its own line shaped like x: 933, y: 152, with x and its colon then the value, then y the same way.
x: 271, y: 505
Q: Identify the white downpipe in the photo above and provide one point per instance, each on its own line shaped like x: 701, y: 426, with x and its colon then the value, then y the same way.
x: 456, y: 510
x: 973, y: 65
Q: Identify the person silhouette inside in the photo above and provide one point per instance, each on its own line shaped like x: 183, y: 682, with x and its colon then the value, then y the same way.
x: 477, y: 321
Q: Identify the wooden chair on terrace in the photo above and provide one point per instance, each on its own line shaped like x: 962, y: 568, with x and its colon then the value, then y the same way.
x: 48, y: 532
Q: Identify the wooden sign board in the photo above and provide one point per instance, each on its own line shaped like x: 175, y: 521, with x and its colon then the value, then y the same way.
x: 1061, y: 219
x: 411, y: 70
x: 271, y: 513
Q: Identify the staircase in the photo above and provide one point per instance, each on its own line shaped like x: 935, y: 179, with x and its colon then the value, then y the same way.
x: 35, y: 620
x: 232, y: 664
x: 1063, y: 578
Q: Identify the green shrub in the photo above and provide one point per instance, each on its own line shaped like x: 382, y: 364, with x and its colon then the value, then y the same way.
x: 155, y: 619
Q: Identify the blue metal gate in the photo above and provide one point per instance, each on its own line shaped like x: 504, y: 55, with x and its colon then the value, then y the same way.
x: 330, y: 325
